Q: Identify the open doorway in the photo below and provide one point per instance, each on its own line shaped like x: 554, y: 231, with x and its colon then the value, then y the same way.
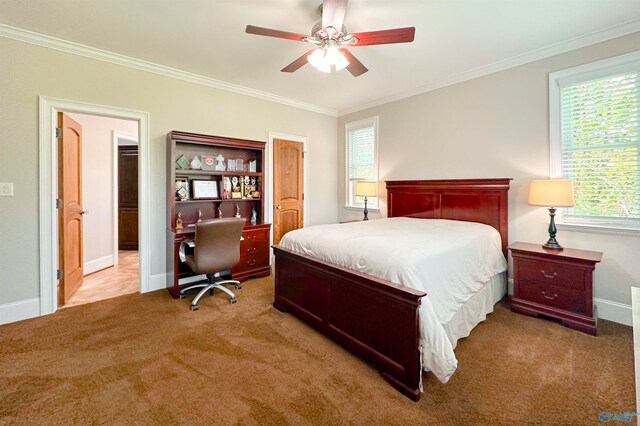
x: 49, y: 215
x: 98, y: 173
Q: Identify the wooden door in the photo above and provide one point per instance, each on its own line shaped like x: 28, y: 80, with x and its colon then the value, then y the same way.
x: 70, y: 213
x: 288, y: 187
x: 128, y: 197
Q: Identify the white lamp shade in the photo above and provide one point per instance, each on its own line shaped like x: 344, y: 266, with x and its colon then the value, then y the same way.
x: 551, y: 193
x: 366, y: 188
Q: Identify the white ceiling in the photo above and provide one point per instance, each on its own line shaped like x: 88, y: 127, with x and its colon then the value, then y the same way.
x: 207, y: 37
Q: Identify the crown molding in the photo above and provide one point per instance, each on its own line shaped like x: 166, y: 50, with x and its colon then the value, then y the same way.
x: 619, y: 30
x: 117, y: 59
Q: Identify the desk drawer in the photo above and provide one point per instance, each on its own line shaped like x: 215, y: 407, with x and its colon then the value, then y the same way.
x: 253, y: 260
x: 254, y: 250
x: 553, y: 296
x: 555, y: 274
x: 255, y: 236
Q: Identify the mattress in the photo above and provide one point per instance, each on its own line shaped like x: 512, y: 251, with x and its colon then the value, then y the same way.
x: 452, y: 261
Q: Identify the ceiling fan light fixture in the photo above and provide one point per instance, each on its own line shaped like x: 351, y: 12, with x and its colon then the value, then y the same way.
x: 336, y: 58
x: 327, y: 58
x: 316, y: 59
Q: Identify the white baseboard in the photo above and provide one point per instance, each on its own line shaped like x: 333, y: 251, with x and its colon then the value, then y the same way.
x: 18, y: 311
x: 97, y: 264
x: 607, y: 310
x: 159, y: 281
x: 614, y: 311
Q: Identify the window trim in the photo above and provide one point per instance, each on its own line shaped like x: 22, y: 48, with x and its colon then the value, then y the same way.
x: 372, y: 205
x: 591, y: 71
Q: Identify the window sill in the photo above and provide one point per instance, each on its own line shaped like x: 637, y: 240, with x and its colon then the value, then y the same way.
x: 371, y: 209
x: 599, y: 229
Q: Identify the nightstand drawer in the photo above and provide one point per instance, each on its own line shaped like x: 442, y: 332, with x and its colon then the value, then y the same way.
x: 551, y: 273
x: 549, y: 295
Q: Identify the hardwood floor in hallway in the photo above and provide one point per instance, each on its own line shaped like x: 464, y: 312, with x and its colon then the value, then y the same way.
x: 111, y: 282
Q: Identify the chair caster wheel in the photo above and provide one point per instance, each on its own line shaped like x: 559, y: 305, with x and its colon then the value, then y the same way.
x: 182, y: 296
x: 239, y: 286
x: 194, y: 307
x: 234, y: 300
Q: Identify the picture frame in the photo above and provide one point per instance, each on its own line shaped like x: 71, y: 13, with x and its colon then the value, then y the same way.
x: 231, y: 165
x: 240, y: 165
x: 182, y: 189
x: 205, y: 189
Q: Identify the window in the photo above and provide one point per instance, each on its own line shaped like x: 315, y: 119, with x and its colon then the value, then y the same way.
x: 361, y: 143
x: 595, y: 110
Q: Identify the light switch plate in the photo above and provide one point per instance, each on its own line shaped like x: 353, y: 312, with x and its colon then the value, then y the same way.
x: 6, y: 189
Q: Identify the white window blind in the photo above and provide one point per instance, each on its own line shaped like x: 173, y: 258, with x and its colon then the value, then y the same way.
x: 600, y: 148
x: 362, y: 158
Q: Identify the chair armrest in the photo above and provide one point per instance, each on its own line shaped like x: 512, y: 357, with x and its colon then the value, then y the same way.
x: 182, y: 251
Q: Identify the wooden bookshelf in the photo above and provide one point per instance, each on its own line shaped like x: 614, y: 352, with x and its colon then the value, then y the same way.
x: 245, y: 183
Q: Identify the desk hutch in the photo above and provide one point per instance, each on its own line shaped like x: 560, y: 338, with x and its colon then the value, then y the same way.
x: 235, y: 161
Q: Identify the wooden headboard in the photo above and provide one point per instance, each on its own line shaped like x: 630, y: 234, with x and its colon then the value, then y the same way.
x: 473, y: 200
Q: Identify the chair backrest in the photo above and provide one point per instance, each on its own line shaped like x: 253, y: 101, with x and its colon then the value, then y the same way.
x: 218, y: 244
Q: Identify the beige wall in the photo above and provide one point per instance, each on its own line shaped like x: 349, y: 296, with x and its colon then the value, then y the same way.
x: 29, y: 71
x: 97, y: 186
x: 495, y: 126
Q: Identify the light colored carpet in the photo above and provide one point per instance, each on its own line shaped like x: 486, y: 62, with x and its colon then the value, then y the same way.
x: 147, y: 359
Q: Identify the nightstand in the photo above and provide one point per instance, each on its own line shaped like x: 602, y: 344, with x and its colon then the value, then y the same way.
x: 555, y: 283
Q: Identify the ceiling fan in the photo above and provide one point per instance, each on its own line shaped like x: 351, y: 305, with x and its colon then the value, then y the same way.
x: 331, y: 40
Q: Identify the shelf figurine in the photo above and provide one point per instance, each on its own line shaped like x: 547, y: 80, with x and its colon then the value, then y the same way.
x: 179, y: 222
x: 220, y: 167
x: 237, y: 210
x: 196, y: 164
x: 254, y: 216
x: 199, y: 215
x: 219, y: 212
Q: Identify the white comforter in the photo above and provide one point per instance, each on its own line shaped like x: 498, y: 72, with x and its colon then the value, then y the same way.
x: 449, y: 260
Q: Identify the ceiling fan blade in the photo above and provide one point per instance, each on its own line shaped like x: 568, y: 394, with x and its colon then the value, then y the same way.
x: 397, y: 35
x: 298, y: 63
x: 333, y: 14
x: 274, y: 33
x: 355, y: 67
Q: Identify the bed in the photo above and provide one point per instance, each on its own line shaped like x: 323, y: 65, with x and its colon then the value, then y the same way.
x: 373, y: 317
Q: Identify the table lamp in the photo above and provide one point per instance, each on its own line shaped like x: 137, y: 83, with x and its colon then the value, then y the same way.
x: 366, y: 188
x: 551, y: 194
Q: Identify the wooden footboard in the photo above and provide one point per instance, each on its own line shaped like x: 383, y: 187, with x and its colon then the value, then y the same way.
x: 373, y: 318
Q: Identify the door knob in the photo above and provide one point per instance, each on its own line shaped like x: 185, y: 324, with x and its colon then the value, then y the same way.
x: 84, y: 212
x: 279, y: 207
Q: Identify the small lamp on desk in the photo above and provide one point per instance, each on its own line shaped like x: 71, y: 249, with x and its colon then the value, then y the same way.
x: 551, y: 194
x: 366, y: 188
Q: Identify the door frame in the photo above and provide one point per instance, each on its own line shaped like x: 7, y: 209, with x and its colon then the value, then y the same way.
x: 268, y: 202
x: 115, y: 139
x: 48, y: 189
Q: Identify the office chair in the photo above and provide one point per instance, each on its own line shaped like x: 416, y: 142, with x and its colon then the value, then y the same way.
x: 216, y: 251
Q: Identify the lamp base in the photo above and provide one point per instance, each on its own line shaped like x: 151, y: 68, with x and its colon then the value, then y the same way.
x: 552, y: 244
x: 366, y: 212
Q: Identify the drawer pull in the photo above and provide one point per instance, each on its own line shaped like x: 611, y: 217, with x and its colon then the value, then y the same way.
x: 251, y: 250
x: 549, y: 276
x: 251, y: 262
x: 554, y: 297
x: 252, y: 238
